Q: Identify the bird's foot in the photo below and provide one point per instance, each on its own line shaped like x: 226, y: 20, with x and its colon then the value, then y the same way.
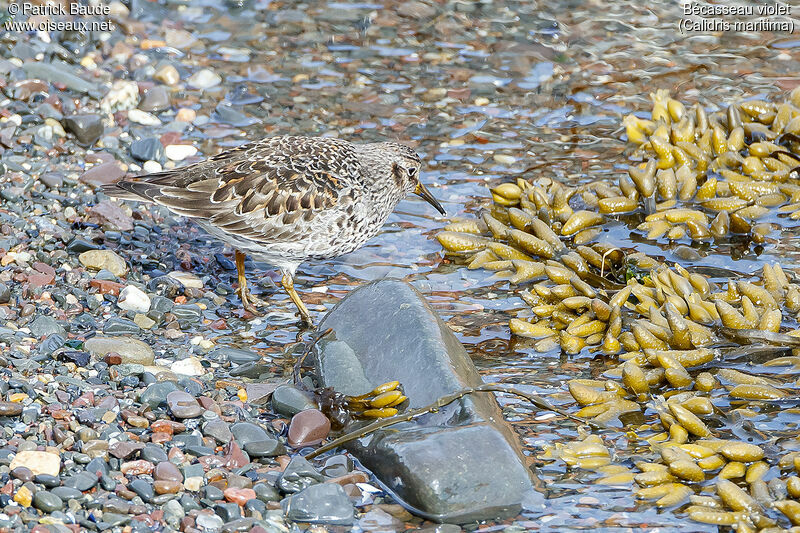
x: 381, y: 402
x: 250, y: 303
x: 306, y: 322
x: 305, y: 317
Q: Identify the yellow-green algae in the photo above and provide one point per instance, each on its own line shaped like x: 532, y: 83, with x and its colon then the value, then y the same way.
x: 695, y: 177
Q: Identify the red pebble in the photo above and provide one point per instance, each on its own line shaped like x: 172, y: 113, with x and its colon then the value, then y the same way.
x: 240, y: 496
x: 112, y: 359
x: 163, y: 426
x: 136, y: 468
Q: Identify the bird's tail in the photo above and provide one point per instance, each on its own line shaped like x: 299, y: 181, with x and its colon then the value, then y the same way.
x: 115, y: 191
x: 141, y: 188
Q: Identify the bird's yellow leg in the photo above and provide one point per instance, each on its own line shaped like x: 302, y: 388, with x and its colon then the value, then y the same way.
x: 288, y: 285
x: 244, y: 294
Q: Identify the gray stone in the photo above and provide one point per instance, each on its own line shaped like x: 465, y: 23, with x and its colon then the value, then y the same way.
x: 209, y: 522
x: 86, y: 128
x: 67, y: 493
x: 187, y: 313
x: 155, y: 395
x: 266, y: 492
x: 219, y: 430
x: 81, y: 481
x: 325, y: 503
x: 255, y: 508
x: 299, y: 474
x: 182, y: 405
x: 288, y: 400
x: 256, y: 441
x: 460, y: 464
x: 143, y: 489
x: 111, y: 520
x: 60, y: 72
x: 155, y: 99
x: 45, y: 325
x: 53, y: 180
x: 149, y: 148
x: 236, y: 356
x: 228, y: 511
x: 173, y: 512
x: 132, y: 351
x: 47, y: 501
x: 213, y: 493
x: 120, y: 326
x: 154, y: 453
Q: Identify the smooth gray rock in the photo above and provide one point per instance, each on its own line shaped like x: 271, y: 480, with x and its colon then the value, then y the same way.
x: 155, y: 395
x: 460, y: 464
x: 325, y: 503
x: 288, y: 400
x: 44, y: 325
x: 219, y: 430
x: 256, y: 441
x: 60, y: 72
x: 183, y: 405
x: 47, y: 502
x: 86, y: 128
x: 298, y: 475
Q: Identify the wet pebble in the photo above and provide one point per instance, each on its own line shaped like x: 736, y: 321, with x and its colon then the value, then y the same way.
x: 204, y: 79
x: 86, y: 128
x: 179, y: 152
x: 129, y: 349
x: 167, y: 75
x: 255, y: 440
x: 324, y: 503
x: 288, y: 400
x: 155, y: 99
x: 155, y: 395
x: 10, y: 408
x: 104, y: 260
x: 191, y: 366
x: 308, y: 428
x: 144, y: 118
x: 147, y: 149
x: 47, y: 501
x: 183, y: 405
x: 37, y: 462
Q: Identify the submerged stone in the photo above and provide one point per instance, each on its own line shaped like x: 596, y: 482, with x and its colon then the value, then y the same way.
x: 325, y: 503
x: 460, y: 464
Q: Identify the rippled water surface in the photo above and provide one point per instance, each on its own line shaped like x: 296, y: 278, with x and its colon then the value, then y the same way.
x: 486, y: 92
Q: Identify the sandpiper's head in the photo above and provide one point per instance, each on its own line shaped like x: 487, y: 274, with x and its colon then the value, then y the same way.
x: 401, y: 165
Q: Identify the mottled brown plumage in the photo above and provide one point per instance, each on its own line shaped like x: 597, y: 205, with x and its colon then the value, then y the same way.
x: 288, y: 199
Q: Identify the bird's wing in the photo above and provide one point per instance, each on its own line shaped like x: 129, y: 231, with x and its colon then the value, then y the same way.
x: 267, y: 191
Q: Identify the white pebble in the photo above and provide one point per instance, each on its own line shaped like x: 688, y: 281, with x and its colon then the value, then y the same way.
x: 504, y: 159
x: 186, y: 279
x: 123, y: 95
x: 190, y: 366
x: 179, y: 152
x: 152, y: 166
x: 133, y: 299
x: 143, y: 117
x: 204, y: 79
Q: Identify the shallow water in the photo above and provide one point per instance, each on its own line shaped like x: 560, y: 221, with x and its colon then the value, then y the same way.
x: 535, y: 89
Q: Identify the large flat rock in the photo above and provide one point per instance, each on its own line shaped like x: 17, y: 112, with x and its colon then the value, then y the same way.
x: 461, y: 464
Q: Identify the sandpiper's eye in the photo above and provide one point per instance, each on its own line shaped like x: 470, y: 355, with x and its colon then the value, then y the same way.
x: 412, y: 171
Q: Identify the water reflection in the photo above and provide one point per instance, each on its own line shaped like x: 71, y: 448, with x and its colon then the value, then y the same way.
x: 543, y: 84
